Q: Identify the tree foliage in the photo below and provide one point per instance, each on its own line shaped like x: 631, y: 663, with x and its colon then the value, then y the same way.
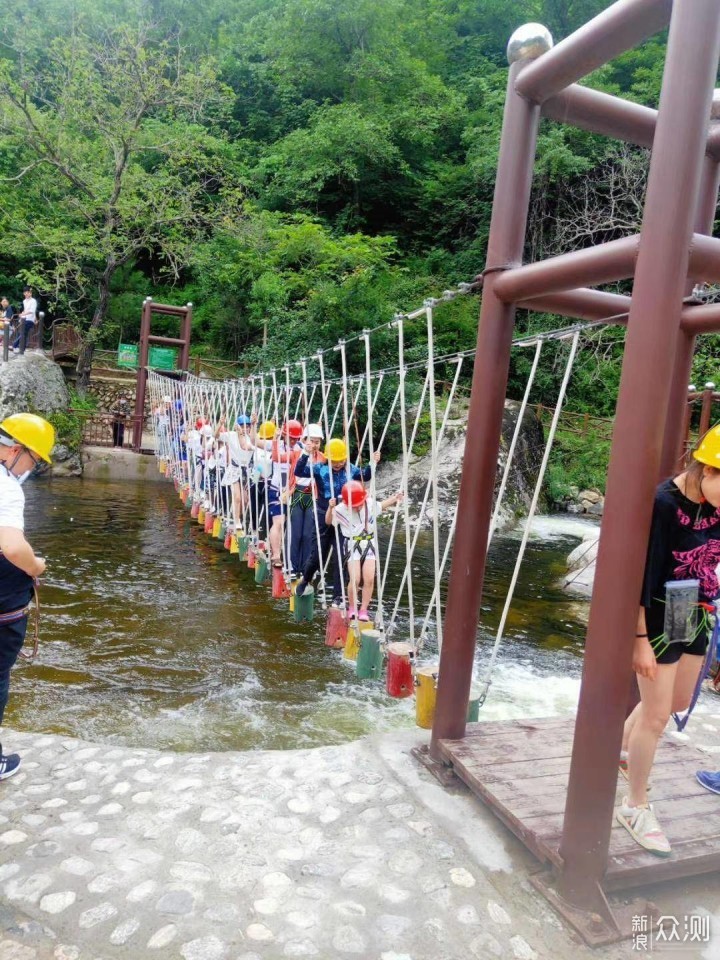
x: 299, y: 169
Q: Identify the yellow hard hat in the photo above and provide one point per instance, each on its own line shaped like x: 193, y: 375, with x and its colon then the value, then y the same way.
x: 709, y: 450
x: 32, y: 432
x: 336, y: 450
x: 267, y: 430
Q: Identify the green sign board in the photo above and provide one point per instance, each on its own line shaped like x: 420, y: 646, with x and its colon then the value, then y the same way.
x: 159, y: 358
x: 128, y: 355
x: 162, y: 358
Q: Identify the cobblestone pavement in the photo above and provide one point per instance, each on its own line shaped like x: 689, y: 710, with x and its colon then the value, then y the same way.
x: 346, y: 851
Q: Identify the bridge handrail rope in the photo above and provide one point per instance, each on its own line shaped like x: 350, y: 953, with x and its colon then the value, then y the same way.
x: 323, y: 399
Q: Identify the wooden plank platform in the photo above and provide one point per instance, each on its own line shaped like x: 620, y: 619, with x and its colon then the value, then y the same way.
x: 520, y: 770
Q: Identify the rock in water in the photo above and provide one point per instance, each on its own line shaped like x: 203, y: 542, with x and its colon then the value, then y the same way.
x: 523, y: 472
x: 33, y: 382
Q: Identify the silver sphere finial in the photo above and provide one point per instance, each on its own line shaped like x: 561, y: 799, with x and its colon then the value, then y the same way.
x: 529, y: 42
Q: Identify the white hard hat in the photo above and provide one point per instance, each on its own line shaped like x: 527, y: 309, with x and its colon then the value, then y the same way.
x: 167, y: 399
x: 207, y: 430
x: 314, y: 431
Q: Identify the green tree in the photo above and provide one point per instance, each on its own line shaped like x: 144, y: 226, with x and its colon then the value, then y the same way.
x: 110, y: 154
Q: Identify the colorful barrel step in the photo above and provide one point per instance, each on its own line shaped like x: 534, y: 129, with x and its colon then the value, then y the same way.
x: 243, y: 541
x: 399, y: 678
x: 425, y: 695
x: 473, y: 713
x: 352, y: 639
x: 262, y: 567
x: 305, y: 606
x: 280, y: 589
x: 195, y: 509
x: 251, y: 554
x: 370, y: 656
x: 219, y: 528
x: 209, y: 522
x: 201, y: 517
x: 233, y: 543
x: 336, y: 628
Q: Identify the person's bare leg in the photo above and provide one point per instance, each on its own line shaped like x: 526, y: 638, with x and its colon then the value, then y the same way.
x: 368, y: 582
x: 354, y: 574
x: 629, y: 724
x: 276, y: 537
x: 237, y: 505
x: 656, y: 696
x: 687, y: 673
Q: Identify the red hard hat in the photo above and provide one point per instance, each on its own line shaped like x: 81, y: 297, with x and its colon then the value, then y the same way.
x: 293, y: 429
x: 199, y: 423
x: 353, y: 493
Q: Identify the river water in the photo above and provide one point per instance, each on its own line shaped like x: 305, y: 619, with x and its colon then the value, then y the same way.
x: 153, y: 635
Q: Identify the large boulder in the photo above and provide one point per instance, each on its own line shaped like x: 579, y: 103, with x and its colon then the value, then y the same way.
x: 34, y: 382
x: 450, y: 455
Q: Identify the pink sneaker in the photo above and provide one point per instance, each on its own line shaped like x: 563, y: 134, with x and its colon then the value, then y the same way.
x: 364, y: 616
x: 352, y: 612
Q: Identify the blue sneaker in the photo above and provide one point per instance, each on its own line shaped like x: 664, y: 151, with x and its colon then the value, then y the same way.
x: 709, y: 779
x: 9, y: 765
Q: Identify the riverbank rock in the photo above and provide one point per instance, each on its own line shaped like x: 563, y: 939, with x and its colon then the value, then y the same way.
x: 451, y: 452
x: 33, y: 382
x: 590, y: 502
x: 581, y: 567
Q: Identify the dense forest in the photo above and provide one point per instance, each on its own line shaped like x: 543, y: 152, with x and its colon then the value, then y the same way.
x: 298, y: 169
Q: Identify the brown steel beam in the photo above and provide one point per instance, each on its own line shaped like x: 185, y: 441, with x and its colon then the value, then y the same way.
x: 617, y: 29
x: 601, y: 113
x: 185, y: 333
x: 603, y: 263
x: 675, y: 437
x: 168, y: 310
x: 492, y: 361
x: 582, y: 304
x: 699, y: 320
x: 142, y: 375
x: 671, y: 202
x: 704, y: 257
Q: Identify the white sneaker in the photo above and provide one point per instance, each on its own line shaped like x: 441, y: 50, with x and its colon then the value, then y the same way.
x: 642, y: 825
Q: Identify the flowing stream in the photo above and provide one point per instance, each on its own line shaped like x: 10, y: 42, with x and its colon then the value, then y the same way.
x: 153, y: 635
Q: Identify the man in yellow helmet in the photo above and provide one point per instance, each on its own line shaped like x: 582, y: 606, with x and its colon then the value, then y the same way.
x: 26, y: 442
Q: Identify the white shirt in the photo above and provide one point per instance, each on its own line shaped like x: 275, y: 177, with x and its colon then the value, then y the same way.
x: 30, y: 308
x: 12, y: 502
x: 356, y: 522
x: 239, y: 456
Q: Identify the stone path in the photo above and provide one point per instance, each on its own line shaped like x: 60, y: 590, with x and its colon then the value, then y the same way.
x: 348, y: 851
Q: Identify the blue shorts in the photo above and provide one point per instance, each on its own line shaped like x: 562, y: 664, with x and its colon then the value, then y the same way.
x: 274, y: 505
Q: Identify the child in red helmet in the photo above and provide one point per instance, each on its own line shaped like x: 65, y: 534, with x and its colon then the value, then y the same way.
x: 355, y: 517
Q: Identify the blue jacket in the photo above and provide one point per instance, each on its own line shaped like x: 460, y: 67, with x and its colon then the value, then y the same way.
x: 330, y: 482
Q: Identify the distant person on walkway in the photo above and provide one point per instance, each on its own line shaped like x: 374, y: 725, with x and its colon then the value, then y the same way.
x: 26, y: 442
x: 673, y: 630
x: 28, y: 316
x: 120, y: 411
x: 7, y: 311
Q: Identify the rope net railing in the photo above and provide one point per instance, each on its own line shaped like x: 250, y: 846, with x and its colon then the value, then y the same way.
x: 329, y: 478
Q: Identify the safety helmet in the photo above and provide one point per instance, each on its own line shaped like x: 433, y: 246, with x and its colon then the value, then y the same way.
x: 314, y: 431
x: 32, y: 432
x: 179, y: 406
x: 243, y: 420
x: 293, y: 429
x: 336, y: 451
x: 709, y: 450
x: 167, y: 399
x: 353, y: 493
x: 267, y: 430
x: 199, y: 423
x: 206, y: 430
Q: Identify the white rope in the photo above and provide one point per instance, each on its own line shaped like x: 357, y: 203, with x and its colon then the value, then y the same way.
x: 531, y: 514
